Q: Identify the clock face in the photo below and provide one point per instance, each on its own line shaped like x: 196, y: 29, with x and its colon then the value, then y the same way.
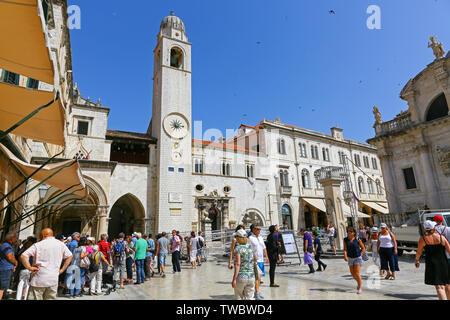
x: 176, y: 126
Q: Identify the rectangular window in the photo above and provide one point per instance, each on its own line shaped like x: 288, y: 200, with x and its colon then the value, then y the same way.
x: 171, y: 169
x: 366, y: 162
x: 226, y: 169
x: 374, y: 164
x: 198, y: 165
x: 410, y: 180
x: 250, y: 171
x: 357, y: 160
x: 181, y: 170
x: 83, y: 128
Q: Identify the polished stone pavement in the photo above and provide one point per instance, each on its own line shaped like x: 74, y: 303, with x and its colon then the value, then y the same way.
x: 213, y: 281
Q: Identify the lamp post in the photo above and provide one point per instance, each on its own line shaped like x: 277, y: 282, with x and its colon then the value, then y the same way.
x: 43, y: 190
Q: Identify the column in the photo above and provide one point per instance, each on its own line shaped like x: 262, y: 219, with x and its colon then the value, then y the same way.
x: 431, y: 190
x: 102, y: 215
x: 389, y: 183
x: 301, y: 215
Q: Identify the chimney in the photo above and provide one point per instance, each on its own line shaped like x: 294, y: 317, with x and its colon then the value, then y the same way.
x: 336, y: 132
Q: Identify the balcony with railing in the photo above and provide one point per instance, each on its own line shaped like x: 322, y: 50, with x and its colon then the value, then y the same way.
x: 286, y: 190
x: 399, y: 123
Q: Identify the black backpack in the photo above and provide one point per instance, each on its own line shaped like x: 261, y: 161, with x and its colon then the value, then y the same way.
x: 199, y: 243
x: 93, y: 267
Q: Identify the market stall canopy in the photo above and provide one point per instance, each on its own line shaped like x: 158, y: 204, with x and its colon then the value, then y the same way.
x: 348, y: 212
x: 23, y: 47
x: 317, y: 203
x: 376, y: 206
x: 70, y: 174
x: 18, y: 102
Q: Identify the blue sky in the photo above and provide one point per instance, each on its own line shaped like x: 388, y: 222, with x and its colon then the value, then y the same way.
x: 255, y: 59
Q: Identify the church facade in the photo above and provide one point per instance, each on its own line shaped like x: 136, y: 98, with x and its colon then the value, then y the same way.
x: 164, y: 179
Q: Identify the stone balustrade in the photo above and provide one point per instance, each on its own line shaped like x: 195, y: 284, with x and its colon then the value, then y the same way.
x: 399, y: 123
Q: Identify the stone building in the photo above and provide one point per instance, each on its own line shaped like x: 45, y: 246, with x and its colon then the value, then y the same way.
x: 164, y: 179
x: 414, y: 147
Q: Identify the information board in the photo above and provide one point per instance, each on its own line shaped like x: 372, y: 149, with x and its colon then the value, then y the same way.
x: 289, y: 243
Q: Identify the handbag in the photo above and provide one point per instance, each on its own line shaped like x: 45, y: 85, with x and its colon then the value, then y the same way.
x: 85, y: 262
x: 365, y: 256
x: 258, y: 272
x: 307, y: 259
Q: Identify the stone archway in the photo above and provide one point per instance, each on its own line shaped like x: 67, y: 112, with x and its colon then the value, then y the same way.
x: 252, y: 216
x: 127, y: 215
x: 70, y: 213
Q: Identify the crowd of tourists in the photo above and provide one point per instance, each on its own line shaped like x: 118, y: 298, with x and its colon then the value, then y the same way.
x: 74, y: 266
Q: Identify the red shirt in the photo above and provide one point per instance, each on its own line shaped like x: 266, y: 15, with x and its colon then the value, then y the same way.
x: 103, y: 247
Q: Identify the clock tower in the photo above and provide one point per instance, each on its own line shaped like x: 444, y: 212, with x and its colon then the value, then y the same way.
x: 171, y: 125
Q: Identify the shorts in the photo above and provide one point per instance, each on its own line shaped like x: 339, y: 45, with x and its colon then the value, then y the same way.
x: 261, y: 266
x: 120, y: 270
x: 5, y: 279
x: 199, y: 252
x: 162, y: 259
x: 48, y: 293
x: 332, y: 241
x: 355, y: 261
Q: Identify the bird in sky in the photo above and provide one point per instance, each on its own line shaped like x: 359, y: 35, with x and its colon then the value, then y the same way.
x: 332, y: 12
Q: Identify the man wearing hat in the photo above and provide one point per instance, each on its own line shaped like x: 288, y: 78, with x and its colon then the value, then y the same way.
x: 443, y: 231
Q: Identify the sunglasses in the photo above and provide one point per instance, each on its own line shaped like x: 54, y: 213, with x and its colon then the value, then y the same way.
x: 258, y: 229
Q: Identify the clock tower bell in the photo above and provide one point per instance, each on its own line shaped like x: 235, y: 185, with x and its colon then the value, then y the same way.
x: 171, y: 125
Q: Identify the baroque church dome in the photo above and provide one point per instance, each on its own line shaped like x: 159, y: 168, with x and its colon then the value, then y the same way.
x: 172, y: 21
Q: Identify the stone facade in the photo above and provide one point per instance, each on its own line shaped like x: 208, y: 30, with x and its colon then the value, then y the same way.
x: 414, y: 148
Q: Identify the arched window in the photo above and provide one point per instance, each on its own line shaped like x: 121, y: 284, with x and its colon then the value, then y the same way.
x: 357, y: 160
x: 326, y: 154
x: 379, y: 189
x: 361, y: 185
x: 281, y: 146
x: 176, y: 58
x: 302, y: 147
x: 370, y: 186
x: 305, y: 179
x: 318, y: 184
x: 284, y: 178
x: 286, y: 214
x: 438, y: 109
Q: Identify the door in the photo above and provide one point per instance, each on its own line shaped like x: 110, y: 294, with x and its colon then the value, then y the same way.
x: 69, y: 227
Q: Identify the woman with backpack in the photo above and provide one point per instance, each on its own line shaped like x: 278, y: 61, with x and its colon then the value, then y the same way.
x: 387, y: 249
x: 130, y: 255
x: 74, y: 276
x: 96, y: 258
x: 353, y: 251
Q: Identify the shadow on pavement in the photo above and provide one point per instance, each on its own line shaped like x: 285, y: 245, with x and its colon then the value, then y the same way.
x: 223, y: 297
x: 330, y: 289
x: 412, y: 296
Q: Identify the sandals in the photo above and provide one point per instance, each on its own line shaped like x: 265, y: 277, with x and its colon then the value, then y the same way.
x: 392, y: 278
x: 388, y: 277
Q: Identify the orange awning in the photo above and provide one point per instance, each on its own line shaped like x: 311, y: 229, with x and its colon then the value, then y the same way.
x: 67, y: 177
x: 23, y: 47
x: 18, y: 102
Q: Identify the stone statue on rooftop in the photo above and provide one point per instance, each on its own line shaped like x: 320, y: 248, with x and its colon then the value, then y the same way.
x: 377, y: 115
x: 438, y: 51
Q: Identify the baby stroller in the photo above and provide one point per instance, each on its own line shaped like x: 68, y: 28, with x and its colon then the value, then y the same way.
x: 108, y: 282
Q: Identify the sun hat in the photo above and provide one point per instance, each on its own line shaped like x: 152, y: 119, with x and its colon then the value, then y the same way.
x: 374, y: 229
x: 383, y: 225
x: 241, y: 233
x: 429, y: 224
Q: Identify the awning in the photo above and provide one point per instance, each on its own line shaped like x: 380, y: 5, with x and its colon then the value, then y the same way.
x: 348, y: 212
x: 18, y: 102
x: 67, y: 177
x: 317, y: 203
x: 376, y: 206
x: 23, y: 47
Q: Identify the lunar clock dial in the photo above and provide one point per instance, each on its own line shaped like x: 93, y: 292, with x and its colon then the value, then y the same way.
x: 176, y: 156
x: 176, y: 126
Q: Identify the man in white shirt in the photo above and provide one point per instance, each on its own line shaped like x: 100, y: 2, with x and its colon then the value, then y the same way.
x: 47, y: 257
x: 259, y: 248
x: 332, y: 236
